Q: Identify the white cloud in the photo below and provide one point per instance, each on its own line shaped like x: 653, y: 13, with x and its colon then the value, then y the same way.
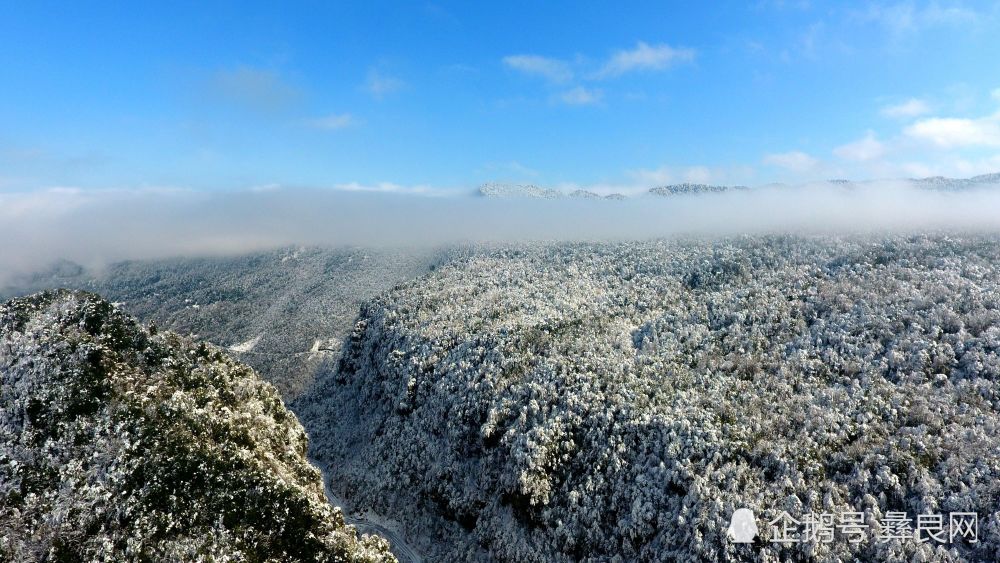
x: 92, y: 227
x: 930, y: 145
x: 864, y: 149
x: 333, y: 121
x: 977, y: 166
x: 907, y: 18
x: 796, y: 161
x: 254, y: 88
x: 910, y: 108
x: 581, y: 96
x: 915, y: 169
x: 948, y: 166
x: 644, y: 57
x: 387, y: 187
x: 783, y: 4
x: 56, y: 201
x: 949, y: 132
x: 379, y: 85
x: 519, y: 168
x: 262, y: 188
x: 646, y: 178
x: 511, y: 167
x: 809, y: 39
x: 698, y: 175
x: 551, y: 69
x: 655, y: 177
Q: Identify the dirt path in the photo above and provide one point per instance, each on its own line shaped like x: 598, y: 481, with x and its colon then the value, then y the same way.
x: 365, y: 525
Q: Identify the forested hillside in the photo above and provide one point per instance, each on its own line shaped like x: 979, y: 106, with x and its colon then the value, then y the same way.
x: 121, y: 443
x: 283, y: 312
x: 619, y: 401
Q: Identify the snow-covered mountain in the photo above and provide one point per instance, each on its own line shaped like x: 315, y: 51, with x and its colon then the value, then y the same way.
x: 933, y: 183
x: 122, y: 443
x: 692, y: 189
x: 504, y: 191
x: 620, y: 401
x: 528, y: 191
x: 957, y: 184
x: 283, y: 312
x: 584, y: 194
x: 554, y: 402
x: 496, y: 190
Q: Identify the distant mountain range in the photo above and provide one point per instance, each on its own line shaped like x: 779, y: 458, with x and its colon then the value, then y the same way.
x: 498, y: 190
x: 688, y: 189
x: 957, y: 184
x: 503, y: 191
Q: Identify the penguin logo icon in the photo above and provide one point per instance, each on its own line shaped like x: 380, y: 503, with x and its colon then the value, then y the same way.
x: 743, y: 526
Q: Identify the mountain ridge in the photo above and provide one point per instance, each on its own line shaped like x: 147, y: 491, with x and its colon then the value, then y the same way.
x: 499, y: 190
x: 120, y: 441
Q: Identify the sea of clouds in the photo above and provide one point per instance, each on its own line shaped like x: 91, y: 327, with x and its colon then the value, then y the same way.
x: 95, y: 227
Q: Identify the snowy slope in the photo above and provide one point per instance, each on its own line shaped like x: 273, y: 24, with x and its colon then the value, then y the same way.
x: 120, y: 444
x: 585, y: 402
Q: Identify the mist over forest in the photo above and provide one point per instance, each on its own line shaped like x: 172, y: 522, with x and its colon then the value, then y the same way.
x: 495, y: 282
x: 97, y: 227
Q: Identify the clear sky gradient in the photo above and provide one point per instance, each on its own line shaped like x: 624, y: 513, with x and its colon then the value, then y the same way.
x: 442, y: 96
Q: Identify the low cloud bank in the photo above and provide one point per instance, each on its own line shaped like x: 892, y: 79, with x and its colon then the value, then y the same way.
x: 95, y: 227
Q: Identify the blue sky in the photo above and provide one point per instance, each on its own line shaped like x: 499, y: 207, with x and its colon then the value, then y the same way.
x: 442, y: 96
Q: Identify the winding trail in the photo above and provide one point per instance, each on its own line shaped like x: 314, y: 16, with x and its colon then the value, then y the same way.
x: 365, y: 525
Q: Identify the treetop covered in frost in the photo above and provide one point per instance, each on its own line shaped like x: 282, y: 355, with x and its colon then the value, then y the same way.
x: 121, y: 443
x: 619, y: 401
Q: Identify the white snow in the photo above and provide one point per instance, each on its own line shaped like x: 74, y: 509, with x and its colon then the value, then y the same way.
x: 246, y: 346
